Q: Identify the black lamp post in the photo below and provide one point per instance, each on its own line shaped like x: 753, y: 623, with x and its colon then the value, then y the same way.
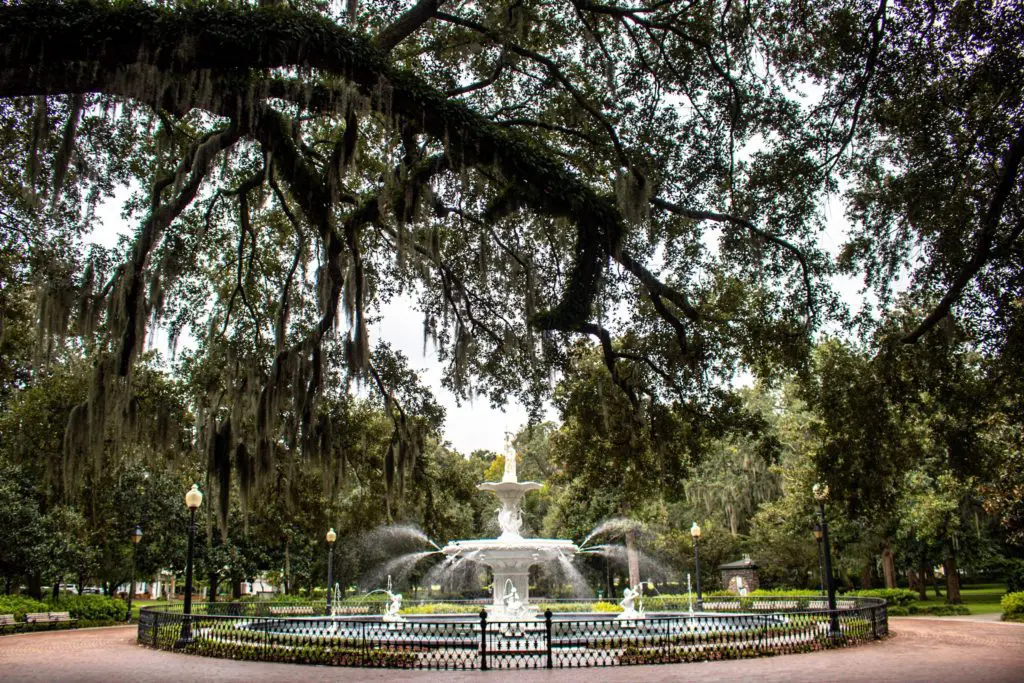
x: 820, y: 495
x: 695, y: 533
x: 821, y: 572
x: 331, y: 538
x: 136, y: 537
x: 193, y: 499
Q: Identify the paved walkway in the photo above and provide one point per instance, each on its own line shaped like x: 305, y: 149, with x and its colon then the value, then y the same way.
x: 921, y: 649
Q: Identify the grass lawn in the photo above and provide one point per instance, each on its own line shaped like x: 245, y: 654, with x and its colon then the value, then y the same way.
x: 979, y: 598
x: 137, y: 604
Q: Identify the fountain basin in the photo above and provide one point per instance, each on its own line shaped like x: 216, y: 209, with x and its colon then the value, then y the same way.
x: 510, y: 558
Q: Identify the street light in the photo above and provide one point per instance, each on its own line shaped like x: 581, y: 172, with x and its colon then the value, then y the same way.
x: 821, y: 572
x: 695, y: 533
x: 331, y: 538
x: 193, y: 499
x: 136, y: 537
x: 820, y: 492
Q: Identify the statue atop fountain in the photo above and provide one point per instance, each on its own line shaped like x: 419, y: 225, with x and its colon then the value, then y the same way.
x: 510, y: 556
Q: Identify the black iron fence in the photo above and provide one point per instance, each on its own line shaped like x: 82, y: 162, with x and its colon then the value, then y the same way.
x: 302, y: 633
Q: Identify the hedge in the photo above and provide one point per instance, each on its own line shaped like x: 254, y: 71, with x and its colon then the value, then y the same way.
x: 1013, y: 606
x: 18, y: 605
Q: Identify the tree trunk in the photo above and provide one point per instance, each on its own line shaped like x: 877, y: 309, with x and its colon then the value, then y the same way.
x: 236, y: 590
x: 287, y: 566
x: 174, y: 590
x: 922, y: 574
x: 35, y: 587
x: 55, y: 592
x: 80, y: 583
x: 935, y: 582
x: 632, y: 558
x: 213, y: 587
x: 866, y: 580
x: 952, y: 580
x: 888, y: 567
x: 844, y: 576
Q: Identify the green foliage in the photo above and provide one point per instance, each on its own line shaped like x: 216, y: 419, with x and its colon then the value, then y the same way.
x: 91, y: 610
x: 18, y: 605
x: 1013, y: 606
x: 441, y: 608
x: 937, y: 609
x: 1014, y: 575
x: 900, y: 597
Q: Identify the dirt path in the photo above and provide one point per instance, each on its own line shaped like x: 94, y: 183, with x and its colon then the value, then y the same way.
x: 920, y: 650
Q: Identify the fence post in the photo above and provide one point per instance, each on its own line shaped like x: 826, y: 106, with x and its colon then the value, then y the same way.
x: 874, y: 622
x: 483, y: 640
x: 547, y: 630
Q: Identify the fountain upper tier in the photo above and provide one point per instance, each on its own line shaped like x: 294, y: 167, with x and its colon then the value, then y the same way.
x: 510, y: 556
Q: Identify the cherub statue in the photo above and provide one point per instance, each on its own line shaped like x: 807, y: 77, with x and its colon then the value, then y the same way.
x: 391, y: 612
x: 511, y: 599
x: 629, y: 597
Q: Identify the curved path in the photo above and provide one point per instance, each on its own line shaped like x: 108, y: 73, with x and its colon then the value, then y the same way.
x: 919, y: 650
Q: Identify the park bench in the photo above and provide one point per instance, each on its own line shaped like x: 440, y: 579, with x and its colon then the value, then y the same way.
x: 291, y: 610
x: 7, y: 622
x: 50, y: 618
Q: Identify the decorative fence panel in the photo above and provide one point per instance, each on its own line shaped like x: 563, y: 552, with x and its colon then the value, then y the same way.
x: 304, y: 634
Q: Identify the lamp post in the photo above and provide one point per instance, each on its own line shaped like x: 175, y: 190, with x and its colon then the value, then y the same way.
x: 136, y: 537
x: 820, y: 492
x: 331, y: 538
x: 695, y: 533
x: 193, y: 499
x: 821, y: 572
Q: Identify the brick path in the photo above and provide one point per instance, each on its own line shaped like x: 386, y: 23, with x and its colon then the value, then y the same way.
x: 921, y: 649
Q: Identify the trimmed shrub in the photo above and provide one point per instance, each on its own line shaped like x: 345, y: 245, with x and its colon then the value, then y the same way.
x: 894, y: 596
x: 18, y: 605
x: 938, y: 609
x: 1013, y: 606
x: 91, y: 610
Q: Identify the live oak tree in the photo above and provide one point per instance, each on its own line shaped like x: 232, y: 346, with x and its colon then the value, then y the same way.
x: 650, y: 175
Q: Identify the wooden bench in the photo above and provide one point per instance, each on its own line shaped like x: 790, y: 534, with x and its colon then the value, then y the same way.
x: 7, y: 622
x: 50, y: 618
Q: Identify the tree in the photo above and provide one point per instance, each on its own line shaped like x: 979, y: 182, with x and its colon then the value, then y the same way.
x: 645, y: 175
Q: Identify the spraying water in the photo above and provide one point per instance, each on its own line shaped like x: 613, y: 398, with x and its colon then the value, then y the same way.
x: 398, y: 532
x: 618, y: 555
x: 616, y: 526
x: 399, y: 566
x: 580, y: 587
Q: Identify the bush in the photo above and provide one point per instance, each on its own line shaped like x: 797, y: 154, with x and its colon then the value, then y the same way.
x: 1014, y: 576
x: 18, y: 605
x: 900, y: 597
x: 441, y: 608
x: 90, y: 610
x: 1013, y: 606
x: 937, y: 609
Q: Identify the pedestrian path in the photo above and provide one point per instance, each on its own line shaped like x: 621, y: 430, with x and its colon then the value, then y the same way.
x: 920, y: 650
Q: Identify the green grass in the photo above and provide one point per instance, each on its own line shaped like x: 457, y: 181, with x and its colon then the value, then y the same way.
x: 979, y: 598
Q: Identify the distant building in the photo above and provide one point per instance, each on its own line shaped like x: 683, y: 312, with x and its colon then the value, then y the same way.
x: 745, y: 570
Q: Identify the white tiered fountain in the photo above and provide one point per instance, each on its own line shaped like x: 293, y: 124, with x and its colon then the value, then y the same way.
x: 510, y: 556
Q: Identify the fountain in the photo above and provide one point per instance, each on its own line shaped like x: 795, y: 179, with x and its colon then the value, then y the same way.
x: 510, y: 556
